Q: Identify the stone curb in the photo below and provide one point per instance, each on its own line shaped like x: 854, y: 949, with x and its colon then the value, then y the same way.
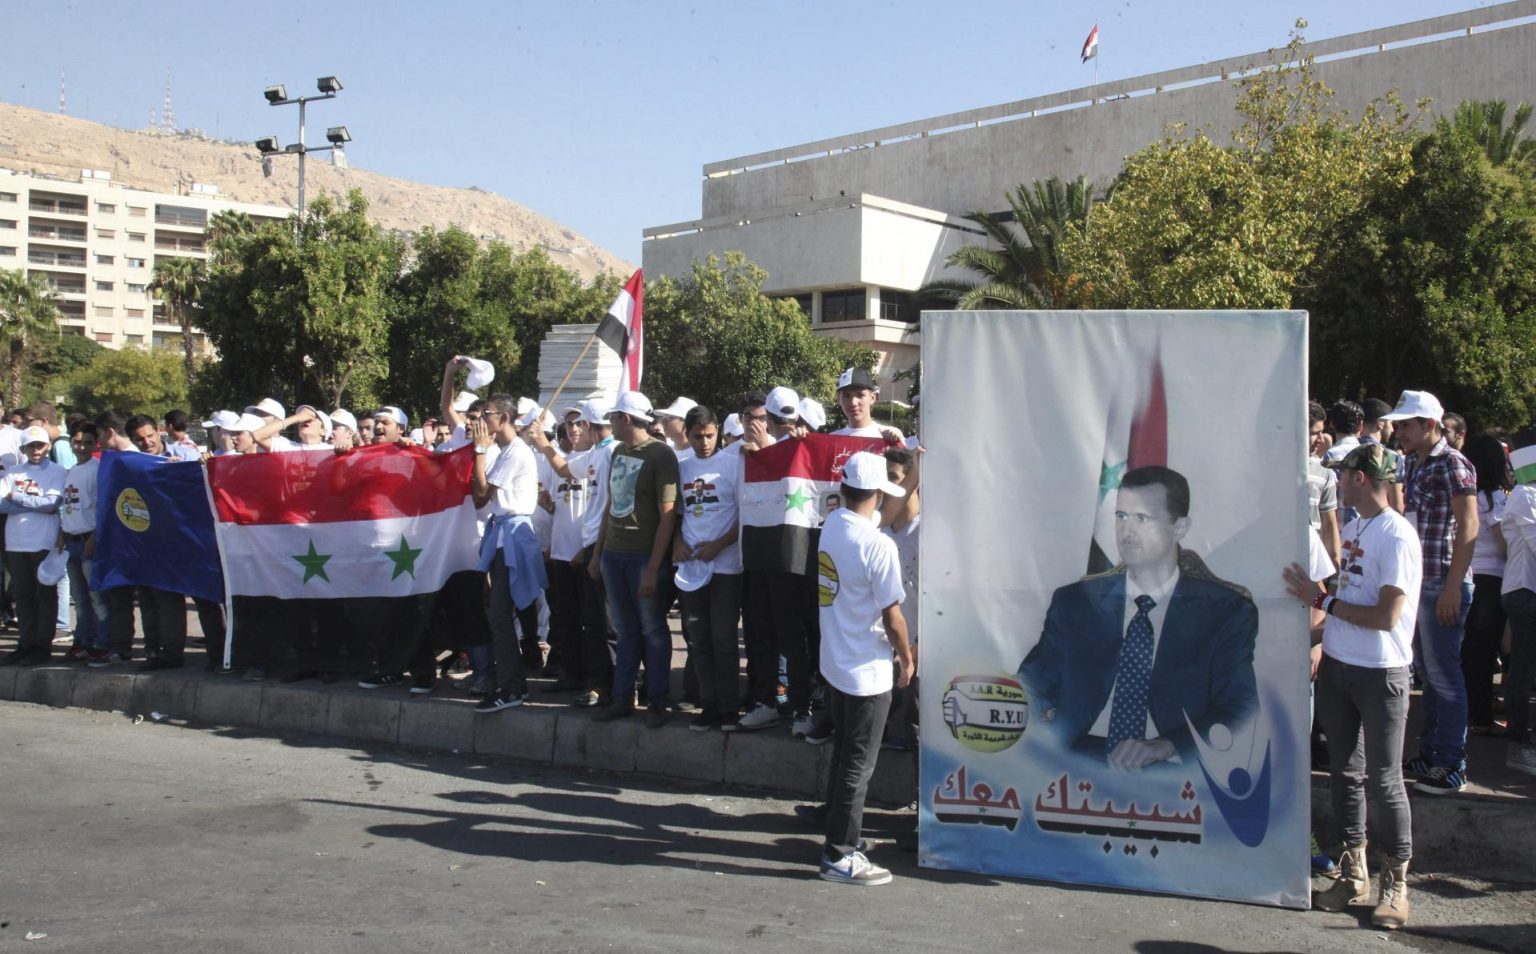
x: 1460, y: 833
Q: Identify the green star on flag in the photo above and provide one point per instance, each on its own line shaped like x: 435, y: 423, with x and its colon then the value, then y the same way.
x: 1109, y: 478
x: 405, y: 559
x: 798, y: 499
x: 313, y: 563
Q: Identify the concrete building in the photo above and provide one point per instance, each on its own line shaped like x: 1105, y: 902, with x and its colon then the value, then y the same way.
x: 852, y: 226
x: 97, y: 244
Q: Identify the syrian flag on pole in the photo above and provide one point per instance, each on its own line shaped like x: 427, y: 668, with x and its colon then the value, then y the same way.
x: 1136, y: 435
x: 623, y: 330
x: 334, y: 561
x: 786, y: 494
x: 1091, y: 45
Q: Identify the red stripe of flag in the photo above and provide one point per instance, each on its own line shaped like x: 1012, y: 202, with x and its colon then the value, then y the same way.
x: 1148, y: 442
x: 369, y: 483
x: 814, y: 457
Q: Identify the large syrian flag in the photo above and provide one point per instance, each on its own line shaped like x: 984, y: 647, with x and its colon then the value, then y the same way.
x: 788, y: 491
x: 1135, y: 435
x: 623, y: 330
x: 334, y: 561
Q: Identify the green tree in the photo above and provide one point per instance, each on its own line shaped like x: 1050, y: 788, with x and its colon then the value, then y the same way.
x: 48, y: 371
x: 129, y: 381
x: 28, y: 312
x: 713, y: 335
x: 1021, y: 267
x: 1483, y: 121
x: 1432, y: 285
x: 1193, y: 224
x: 302, y: 317
x: 177, y: 282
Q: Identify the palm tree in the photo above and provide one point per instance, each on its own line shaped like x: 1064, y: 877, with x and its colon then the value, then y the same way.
x: 177, y: 282
x: 28, y: 310
x: 226, y: 228
x: 1483, y: 120
x: 1024, y: 270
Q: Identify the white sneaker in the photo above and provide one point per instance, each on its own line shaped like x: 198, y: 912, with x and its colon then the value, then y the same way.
x: 802, y: 725
x: 854, y: 868
x: 761, y: 717
x: 1522, y: 758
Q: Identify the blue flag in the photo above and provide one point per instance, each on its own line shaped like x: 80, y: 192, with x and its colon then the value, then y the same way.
x: 154, y: 527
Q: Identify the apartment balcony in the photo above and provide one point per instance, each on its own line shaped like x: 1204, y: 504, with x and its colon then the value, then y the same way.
x: 55, y: 259
x: 171, y: 243
x: 56, y: 208
x: 55, y: 233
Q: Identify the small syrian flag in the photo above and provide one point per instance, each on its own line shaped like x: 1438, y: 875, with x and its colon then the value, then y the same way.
x: 788, y: 490
x: 623, y: 330
x: 1136, y: 435
x: 1091, y: 45
x: 1523, y: 463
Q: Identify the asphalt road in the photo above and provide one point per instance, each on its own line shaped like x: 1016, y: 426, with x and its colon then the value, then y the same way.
x: 123, y: 837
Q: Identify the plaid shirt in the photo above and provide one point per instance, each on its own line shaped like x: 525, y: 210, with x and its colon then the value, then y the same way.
x: 1430, y: 485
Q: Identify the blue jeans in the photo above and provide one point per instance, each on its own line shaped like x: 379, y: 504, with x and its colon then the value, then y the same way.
x: 93, y: 628
x: 1437, y: 648
x: 641, y: 624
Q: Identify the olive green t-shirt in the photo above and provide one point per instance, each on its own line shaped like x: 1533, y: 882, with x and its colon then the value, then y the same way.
x: 639, y: 479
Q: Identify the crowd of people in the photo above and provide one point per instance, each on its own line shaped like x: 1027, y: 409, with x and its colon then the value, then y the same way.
x: 596, y: 520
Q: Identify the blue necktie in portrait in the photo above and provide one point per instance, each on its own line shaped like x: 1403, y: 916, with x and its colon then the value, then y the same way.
x: 1128, y: 710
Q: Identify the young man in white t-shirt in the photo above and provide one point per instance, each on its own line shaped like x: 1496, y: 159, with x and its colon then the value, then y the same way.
x: 1362, y: 681
x: 1518, y: 596
x: 31, y: 493
x: 77, y: 516
x: 863, y: 638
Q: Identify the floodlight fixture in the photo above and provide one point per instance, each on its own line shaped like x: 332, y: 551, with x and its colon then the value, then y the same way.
x: 337, y: 135
x: 267, y: 145
x: 276, y: 94
x: 294, y: 147
x: 329, y: 85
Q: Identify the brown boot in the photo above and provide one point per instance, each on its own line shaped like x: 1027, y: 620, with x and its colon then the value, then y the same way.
x: 1392, y: 912
x: 1353, y: 886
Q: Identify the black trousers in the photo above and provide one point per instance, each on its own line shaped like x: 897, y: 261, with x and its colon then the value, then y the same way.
x: 710, y: 614
x: 210, y: 617
x: 859, y: 722
x: 564, y: 595
x: 599, y: 641
x: 762, y: 649
x: 1480, y: 647
x: 165, y: 622
x: 512, y: 657
x: 37, y: 606
x: 789, y: 596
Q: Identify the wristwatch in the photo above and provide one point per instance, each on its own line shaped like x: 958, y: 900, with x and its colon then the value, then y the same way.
x: 480, y: 449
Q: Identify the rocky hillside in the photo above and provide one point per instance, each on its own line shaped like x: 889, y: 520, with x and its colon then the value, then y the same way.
x: 33, y: 141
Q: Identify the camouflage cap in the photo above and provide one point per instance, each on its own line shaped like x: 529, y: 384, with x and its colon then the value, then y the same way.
x: 1373, y: 460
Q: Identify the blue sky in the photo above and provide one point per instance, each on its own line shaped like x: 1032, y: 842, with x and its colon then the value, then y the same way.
x: 601, y: 113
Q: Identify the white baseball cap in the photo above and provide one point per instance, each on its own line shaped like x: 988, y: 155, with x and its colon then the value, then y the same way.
x: 340, y: 418
x: 635, y: 405
x: 246, y: 422
x: 814, y: 415
x: 464, y: 400
x: 678, y: 408
x: 481, y: 373
x: 223, y: 419
x: 268, y: 407
x: 866, y: 471
x: 321, y: 416
x: 1412, y: 404
x: 595, y: 411
x: 394, y: 414
x: 783, y: 402
x: 34, y: 435
x: 732, y: 425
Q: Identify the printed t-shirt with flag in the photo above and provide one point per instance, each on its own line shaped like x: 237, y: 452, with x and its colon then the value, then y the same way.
x: 623, y: 330
x: 786, y: 492
x: 334, y: 560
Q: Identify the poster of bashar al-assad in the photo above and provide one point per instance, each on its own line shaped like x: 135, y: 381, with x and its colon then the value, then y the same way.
x: 1114, y: 681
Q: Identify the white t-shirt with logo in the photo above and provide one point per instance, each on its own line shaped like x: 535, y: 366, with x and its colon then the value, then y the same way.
x: 706, y: 497
x: 1376, y: 551
x: 595, y: 464
x: 543, y: 520
x: 33, y: 524
x: 858, y: 576
x: 570, y: 495
x: 78, y: 511
x: 511, y: 470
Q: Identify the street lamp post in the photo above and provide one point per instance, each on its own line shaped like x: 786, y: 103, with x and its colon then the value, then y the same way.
x: 337, y: 136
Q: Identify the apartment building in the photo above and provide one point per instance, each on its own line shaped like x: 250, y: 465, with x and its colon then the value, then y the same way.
x: 97, y: 243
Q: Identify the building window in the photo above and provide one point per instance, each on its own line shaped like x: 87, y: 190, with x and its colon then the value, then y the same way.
x: 136, y: 211
x: 135, y: 236
x: 73, y: 330
x: 106, y: 233
x: 7, y: 197
x: 7, y: 250
x: 105, y: 286
x: 134, y: 262
x: 130, y: 339
x: 134, y: 312
x: 7, y: 223
x: 804, y: 301
x: 106, y: 259
x: 105, y: 337
x: 102, y: 311
x: 136, y: 288
x: 843, y: 306
x: 106, y: 208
